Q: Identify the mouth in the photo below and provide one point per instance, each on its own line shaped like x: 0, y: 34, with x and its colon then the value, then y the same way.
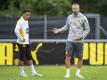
x: 75, y: 13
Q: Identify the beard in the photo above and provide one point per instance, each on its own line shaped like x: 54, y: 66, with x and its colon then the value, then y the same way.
x: 75, y: 13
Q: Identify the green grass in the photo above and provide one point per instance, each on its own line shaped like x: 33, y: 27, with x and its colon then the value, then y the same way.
x: 54, y: 72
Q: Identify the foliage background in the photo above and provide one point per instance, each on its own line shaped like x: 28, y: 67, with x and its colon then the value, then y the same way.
x: 51, y: 7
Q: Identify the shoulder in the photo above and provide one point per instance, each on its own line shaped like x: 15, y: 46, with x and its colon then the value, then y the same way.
x: 70, y: 16
x: 83, y: 16
x: 20, y: 21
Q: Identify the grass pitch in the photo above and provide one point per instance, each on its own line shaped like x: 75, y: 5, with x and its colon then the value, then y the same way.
x: 54, y: 72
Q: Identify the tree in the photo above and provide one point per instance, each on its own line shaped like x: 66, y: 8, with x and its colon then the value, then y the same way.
x: 4, y: 4
x: 49, y: 7
x: 93, y: 6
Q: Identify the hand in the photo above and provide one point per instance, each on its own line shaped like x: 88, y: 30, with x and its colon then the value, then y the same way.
x: 55, y: 30
x: 23, y: 40
x: 79, y: 39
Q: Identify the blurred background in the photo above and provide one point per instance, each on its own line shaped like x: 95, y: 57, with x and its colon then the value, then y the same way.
x: 47, y: 14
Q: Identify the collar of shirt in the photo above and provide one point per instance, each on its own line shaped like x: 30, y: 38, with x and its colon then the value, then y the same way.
x: 78, y: 15
x: 24, y: 19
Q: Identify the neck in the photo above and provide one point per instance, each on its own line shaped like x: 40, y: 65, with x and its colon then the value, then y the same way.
x: 24, y: 18
x: 76, y: 14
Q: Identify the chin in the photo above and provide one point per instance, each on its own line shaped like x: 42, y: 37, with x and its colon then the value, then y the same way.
x: 27, y: 19
x: 75, y: 13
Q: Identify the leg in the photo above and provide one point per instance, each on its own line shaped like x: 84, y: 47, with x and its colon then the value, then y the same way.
x: 79, y: 49
x: 30, y: 62
x: 69, y: 49
x: 21, y: 60
x: 80, y: 61
x: 21, y: 63
x: 21, y: 69
x: 67, y: 63
x: 31, y: 67
x: 79, y: 65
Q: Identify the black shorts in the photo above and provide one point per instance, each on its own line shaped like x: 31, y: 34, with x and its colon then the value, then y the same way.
x: 24, y: 52
x: 74, y: 49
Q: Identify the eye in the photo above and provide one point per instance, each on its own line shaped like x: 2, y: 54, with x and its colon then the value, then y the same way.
x: 27, y: 14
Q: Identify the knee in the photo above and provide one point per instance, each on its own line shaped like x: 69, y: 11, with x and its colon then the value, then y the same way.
x: 68, y: 58
x: 80, y: 57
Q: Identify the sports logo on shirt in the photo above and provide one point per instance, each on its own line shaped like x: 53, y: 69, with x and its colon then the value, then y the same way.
x: 27, y: 31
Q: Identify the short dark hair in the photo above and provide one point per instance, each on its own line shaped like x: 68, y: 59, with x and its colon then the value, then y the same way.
x: 26, y: 10
x: 75, y: 4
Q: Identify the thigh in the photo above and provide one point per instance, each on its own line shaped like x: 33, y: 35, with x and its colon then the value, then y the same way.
x: 69, y: 49
x: 78, y: 49
x: 28, y: 52
x: 22, y: 51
